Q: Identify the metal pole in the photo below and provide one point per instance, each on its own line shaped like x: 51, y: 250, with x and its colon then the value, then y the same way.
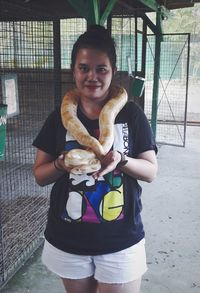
x: 156, y: 76
x: 136, y: 44
x: 187, y: 83
x: 57, y: 62
x: 93, y: 12
x: 144, y: 51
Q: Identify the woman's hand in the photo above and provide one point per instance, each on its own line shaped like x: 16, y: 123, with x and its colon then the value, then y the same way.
x: 47, y: 170
x: 108, y: 163
x: 60, y: 165
x: 144, y: 167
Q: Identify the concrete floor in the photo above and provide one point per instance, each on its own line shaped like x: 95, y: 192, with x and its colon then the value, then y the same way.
x: 171, y: 216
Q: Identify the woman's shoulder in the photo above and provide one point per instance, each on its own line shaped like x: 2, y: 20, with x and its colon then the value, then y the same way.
x: 131, y: 109
x: 54, y: 115
x: 133, y: 106
x: 53, y: 121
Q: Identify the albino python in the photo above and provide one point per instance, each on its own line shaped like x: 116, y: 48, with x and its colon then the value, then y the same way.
x: 86, y: 160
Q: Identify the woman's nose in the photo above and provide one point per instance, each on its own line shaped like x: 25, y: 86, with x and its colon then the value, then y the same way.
x: 92, y: 74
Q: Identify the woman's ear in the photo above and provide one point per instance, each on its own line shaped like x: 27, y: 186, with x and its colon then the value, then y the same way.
x: 72, y: 70
x: 73, y: 74
x: 114, y: 70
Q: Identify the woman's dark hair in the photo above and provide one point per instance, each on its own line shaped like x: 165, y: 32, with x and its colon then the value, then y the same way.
x: 96, y: 37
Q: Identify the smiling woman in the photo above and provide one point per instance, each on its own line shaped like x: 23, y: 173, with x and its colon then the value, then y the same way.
x: 94, y: 223
x: 93, y: 66
x: 93, y: 74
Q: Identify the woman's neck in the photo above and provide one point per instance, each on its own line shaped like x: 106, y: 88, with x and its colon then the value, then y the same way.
x: 91, y: 109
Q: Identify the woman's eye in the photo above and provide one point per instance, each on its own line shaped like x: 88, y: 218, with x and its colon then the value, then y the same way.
x: 83, y: 68
x: 101, y: 69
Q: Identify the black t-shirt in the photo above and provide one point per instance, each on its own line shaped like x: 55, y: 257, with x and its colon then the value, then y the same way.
x: 88, y: 216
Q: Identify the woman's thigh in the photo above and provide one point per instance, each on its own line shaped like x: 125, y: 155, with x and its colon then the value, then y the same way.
x: 121, y: 267
x: 90, y: 285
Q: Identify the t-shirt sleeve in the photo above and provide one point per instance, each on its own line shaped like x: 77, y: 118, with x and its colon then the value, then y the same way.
x: 143, y: 137
x: 46, y: 138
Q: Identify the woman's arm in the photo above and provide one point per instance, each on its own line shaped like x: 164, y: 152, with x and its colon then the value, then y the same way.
x: 46, y: 169
x: 144, y: 167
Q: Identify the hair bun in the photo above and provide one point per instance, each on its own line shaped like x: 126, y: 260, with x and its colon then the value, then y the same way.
x: 98, y: 29
x: 96, y: 37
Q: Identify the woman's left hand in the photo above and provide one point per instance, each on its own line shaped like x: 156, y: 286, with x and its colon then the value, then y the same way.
x: 108, y: 163
x: 144, y: 167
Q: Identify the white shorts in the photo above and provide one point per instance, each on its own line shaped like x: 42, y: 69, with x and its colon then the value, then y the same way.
x: 119, y: 267
x: 114, y: 268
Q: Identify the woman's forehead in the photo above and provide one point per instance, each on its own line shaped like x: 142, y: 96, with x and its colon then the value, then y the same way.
x: 87, y: 55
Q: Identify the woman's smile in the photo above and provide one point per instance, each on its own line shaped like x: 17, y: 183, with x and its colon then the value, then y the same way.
x: 92, y: 87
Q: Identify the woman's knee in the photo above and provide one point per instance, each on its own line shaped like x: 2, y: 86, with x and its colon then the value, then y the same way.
x: 130, y: 287
x: 86, y: 285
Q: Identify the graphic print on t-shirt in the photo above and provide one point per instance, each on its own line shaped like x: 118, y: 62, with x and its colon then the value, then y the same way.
x: 101, y: 200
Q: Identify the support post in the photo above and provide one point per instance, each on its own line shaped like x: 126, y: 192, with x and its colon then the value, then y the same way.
x: 57, y: 62
x: 144, y: 52
x: 136, y: 44
x: 94, y: 12
x: 156, y: 76
x: 107, y: 11
x: 90, y: 10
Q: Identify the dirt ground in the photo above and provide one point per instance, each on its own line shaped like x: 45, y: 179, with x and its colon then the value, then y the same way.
x: 171, y: 218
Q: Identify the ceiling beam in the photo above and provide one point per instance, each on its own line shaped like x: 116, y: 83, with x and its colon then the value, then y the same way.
x: 80, y: 7
x: 107, y: 11
x: 179, y: 5
x: 93, y: 12
x: 152, y: 4
x: 90, y: 10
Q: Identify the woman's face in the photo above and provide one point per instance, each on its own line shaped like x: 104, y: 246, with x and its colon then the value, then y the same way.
x: 93, y: 74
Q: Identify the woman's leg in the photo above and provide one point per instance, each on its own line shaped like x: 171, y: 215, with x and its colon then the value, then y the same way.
x: 86, y: 285
x: 131, y: 287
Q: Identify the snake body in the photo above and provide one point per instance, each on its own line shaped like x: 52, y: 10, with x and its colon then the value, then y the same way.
x: 85, y: 161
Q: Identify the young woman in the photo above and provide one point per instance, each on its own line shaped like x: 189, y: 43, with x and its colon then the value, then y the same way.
x: 94, y: 239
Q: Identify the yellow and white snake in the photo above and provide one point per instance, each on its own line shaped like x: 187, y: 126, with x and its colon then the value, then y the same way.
x: 86, y: 160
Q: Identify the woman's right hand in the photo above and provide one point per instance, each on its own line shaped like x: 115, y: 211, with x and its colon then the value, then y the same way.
x: 60, y: 165
x: 47, y: 170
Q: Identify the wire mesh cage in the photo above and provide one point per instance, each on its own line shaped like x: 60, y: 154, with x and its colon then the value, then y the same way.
x: 26, y: 68
x: 173, y: 87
